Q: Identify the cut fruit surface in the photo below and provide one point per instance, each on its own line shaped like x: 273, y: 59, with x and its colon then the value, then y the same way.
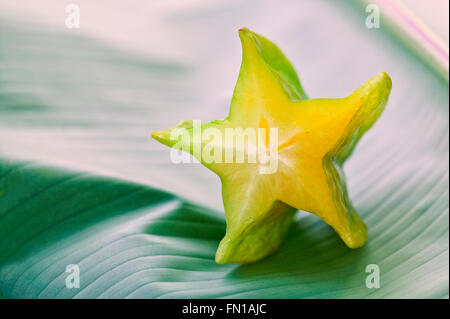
x: 269, y: 176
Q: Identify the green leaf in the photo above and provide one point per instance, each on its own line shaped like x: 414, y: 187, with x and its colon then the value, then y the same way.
x: 134, y: 241
x: 81, y: 182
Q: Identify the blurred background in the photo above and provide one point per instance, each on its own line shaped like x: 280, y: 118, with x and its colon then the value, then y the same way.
x: 87, y: 99
x: 137, y: 66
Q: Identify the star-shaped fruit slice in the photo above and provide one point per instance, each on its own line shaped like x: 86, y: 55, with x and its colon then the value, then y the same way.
x: 278, y: 152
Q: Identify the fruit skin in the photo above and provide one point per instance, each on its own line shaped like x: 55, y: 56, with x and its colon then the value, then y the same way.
x: 317, y: 136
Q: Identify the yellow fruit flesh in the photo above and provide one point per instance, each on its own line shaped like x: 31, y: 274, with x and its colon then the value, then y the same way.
x: 315, y: 136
